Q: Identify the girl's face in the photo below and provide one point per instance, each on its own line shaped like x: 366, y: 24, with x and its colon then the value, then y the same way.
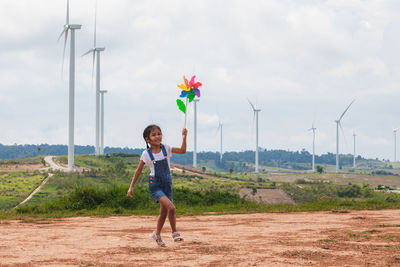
x: 155, y: 137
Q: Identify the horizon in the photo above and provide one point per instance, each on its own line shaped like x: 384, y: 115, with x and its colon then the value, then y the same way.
x: 261, y: 149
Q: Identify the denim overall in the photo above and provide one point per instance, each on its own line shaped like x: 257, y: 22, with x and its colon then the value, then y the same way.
x: 161, y: 184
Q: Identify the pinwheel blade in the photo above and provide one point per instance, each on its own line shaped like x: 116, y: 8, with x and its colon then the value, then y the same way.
x: 192, y: 81
x: 191, y: 96
x: 197, y: 92
x: 183, y: 87
x: 184, y: 93
x: 197, y: 85
x: 186, y: 82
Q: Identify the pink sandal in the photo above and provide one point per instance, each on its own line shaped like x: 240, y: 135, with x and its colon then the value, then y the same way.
x: 176, y: 236
x: 157, y: 238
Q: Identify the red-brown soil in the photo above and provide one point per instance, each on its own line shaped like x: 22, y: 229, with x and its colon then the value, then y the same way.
x: 22, y: 166
x: 356, y: 238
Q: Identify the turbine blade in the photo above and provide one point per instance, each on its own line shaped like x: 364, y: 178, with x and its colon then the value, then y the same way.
x: 93, y: 61
x: 344, y: 137
x: 67, y: 19
x: 88, y: 52
x: 252, y: 106
x: 95, y: 22
x: 65, y: 44
x: 62, y: 33
x: 346, y: 110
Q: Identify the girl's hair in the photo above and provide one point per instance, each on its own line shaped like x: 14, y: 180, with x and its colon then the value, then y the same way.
x: 147, y: 131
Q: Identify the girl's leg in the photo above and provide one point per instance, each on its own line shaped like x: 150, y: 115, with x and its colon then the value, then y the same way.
x: 161, y: 218
x: 170, y: 208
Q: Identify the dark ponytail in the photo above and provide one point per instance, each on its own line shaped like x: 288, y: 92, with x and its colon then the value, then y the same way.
x: 147, y: 131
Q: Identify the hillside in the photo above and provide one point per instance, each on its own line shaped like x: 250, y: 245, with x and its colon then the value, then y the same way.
x: 235, y: 161
x: 101, y: 188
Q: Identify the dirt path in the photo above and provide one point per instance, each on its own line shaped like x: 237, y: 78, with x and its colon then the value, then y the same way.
x: 358, y: 238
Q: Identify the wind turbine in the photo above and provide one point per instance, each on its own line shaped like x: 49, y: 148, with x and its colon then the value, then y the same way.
x: 70, y: 27
x: 95, y: 51
x: 337, y: 135
x: 220, y: 129
x: 102, y: 92
x: 255, y: 110
x: 354, y: 154
x: 195, y: 134
x: 395, y: 145
x: 313, y: 146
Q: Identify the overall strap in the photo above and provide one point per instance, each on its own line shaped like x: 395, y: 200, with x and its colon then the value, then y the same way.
x: 164, y: 151
x: 150, y: 154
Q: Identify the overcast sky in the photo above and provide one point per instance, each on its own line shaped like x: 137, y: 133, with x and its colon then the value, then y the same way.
x: 298, y: 61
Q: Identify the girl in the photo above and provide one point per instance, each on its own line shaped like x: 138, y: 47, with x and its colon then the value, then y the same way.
x: 160, y: 181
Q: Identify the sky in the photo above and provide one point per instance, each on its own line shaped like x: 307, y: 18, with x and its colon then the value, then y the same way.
x: 300, y: 62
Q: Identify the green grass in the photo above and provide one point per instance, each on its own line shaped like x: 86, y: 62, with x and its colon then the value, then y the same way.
x: 31, y: 160
x: 16, y: 186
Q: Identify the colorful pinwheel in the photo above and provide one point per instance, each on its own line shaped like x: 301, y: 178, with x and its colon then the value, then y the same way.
x: 189, y: 91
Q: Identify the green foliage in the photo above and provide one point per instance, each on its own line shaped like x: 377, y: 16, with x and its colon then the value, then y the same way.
x: 381, y: 172
x: 315, y: 191
x: 88, y: 198
x: 16, y: 186
x: 319, y: 169
x: 30, y: 160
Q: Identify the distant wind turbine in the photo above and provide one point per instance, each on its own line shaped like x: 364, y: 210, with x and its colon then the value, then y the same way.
x: 96, y: 58
x: 395, y: 145
x: 70, y: 27
x: 102, y: 92
x: 313, y: 146
x: 354, y: 154
x: 195, y: 134
x: 337, y: 135
x: 220, y: 144
x: 255, y: 110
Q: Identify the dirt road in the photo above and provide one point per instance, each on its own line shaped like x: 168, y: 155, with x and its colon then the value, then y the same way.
x: 357, y: 238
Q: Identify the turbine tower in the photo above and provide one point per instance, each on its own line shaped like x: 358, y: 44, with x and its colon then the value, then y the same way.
x: 395, y: 145
x: 220, y: 144
x: 195, y: 134
x: 354, y: 154
x: 95, y: 51
x: 70, y: 28
x: 337, y: 135
x: 102, y: 92
x: 255, y: 110
x: 313, y: 146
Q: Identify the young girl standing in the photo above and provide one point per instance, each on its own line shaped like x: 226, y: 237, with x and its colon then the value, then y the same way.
x: 160, y: 181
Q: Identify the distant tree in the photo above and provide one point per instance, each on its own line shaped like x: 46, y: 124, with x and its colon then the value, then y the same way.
x: 203, y: 169
x: 230, y: 170
x: 320, y: 169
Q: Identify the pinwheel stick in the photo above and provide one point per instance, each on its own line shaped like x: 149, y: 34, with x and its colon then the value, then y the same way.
x: 184, y: 125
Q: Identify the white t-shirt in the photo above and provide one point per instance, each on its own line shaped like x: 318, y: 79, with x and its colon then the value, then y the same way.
x: 159, y: 156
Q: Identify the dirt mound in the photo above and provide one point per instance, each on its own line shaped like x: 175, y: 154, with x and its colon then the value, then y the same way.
x: 266, y: 196
x: 356, y: 238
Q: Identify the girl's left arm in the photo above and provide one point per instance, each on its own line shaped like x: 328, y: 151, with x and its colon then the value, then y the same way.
x: 182, y: 149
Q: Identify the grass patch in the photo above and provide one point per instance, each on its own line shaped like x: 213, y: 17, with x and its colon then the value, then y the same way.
x: 16, y: 186
x: 388, y: 225
x: 372, y: 231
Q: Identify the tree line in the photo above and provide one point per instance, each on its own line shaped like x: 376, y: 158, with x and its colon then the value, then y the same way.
x: 236, y: 160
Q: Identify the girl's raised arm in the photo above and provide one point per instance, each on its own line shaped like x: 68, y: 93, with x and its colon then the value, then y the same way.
x: 182, y: 149
x: 134, y: 179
